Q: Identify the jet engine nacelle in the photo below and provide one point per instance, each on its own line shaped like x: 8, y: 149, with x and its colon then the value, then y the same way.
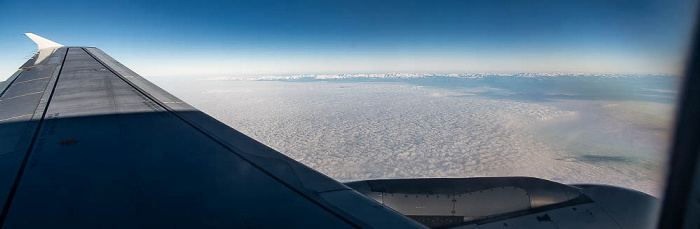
x: 512, y: 202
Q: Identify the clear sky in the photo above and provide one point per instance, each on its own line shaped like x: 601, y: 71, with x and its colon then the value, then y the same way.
x: 197, y: 38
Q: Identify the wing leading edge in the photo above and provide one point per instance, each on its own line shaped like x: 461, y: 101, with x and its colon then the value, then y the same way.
x: 86, y: 142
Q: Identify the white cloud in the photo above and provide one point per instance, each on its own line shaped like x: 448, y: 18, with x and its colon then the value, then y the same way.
x: 354, y: 131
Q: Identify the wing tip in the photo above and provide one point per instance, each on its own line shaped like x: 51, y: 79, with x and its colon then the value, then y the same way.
x: 41, y: 42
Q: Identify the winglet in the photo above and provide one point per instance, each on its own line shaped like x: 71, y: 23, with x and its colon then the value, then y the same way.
x: 43, y: 43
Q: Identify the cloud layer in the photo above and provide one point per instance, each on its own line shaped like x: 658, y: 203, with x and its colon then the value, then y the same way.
x: 360, y: 130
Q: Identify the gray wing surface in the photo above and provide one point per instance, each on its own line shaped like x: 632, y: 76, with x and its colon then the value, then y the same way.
x: 85, y: 142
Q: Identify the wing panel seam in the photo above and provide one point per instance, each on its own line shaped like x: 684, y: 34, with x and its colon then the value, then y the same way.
x: 11, y: 195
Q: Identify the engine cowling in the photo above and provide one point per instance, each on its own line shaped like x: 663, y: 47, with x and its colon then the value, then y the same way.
x: 511, y: 202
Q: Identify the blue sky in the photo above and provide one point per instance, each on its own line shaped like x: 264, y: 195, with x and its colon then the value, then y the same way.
x: 161, y: 38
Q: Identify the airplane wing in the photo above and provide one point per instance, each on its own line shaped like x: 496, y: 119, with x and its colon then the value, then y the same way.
x: 86, y: 143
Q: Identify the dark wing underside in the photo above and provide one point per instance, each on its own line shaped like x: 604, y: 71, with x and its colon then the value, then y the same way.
x: 86, y: 142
